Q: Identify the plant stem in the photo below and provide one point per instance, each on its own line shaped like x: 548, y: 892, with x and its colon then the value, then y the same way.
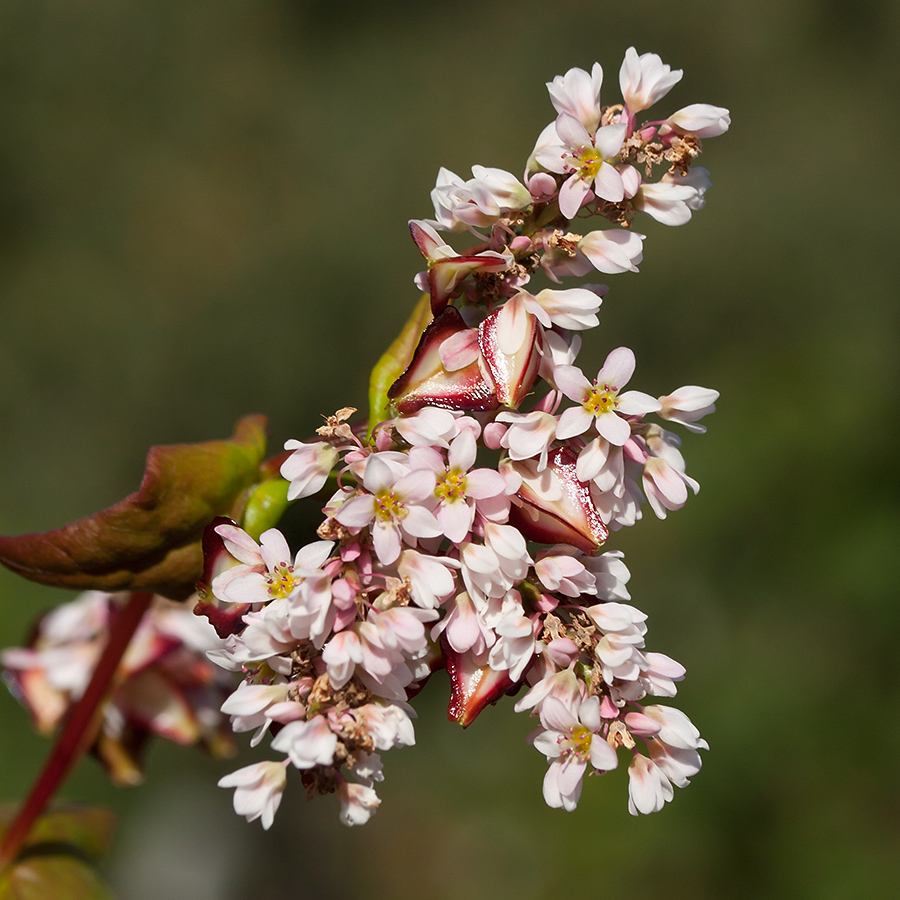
x: 79, y: 729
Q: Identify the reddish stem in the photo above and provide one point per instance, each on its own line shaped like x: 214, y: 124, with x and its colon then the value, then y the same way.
x: 79, y: 729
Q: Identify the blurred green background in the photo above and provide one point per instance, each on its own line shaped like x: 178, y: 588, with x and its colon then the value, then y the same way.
x: 203, y: 213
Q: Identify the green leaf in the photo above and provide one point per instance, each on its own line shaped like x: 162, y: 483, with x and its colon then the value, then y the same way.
x: 395, y: 360
x: 150, y: 541
x: 52, y: 877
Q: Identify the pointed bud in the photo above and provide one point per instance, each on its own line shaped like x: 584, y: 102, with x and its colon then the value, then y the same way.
x: 554, y: 507
x: 427, y: 383
x: 510, y: 344
x: 474, y: 686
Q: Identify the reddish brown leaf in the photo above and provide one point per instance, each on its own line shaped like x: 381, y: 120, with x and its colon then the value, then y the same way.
x: 150, y: 541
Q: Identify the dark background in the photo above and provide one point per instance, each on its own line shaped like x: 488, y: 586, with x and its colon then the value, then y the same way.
x: 203, y: 213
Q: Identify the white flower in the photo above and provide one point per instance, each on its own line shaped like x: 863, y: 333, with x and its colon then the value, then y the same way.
x: 674, y: 198
x: 602, y: 402
x: 574, y: 309
x: 586, y: 161
x: 307, y: 744
x: 259, y: 788
x: 688, y: 404
x: 571, y: 741
x: 645, y: 79
x: 701, y: 119
x: 308, y: 467
x: 391, y: 505
x: 358, y: 803
x: 648, y: 787
x: 578, y: 94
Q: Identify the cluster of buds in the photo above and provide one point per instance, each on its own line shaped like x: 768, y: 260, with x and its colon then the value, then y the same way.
x: 165, y: 686
x: 463, y: 532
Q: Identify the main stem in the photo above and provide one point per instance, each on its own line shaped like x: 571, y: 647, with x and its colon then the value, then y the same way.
x: 79, y: 729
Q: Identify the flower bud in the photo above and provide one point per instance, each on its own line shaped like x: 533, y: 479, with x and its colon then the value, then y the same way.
x: 427, y: 383
x: 510, y: 342
x: 554, y: 507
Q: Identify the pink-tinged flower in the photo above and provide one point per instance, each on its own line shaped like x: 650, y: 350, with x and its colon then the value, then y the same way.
x: 562, y: 685
x: 675, y: 728
x: 307, y: 744
x: 557, y: 352
x: 700, y: 119
x: 574, y: 309
x: 665, y: 487
x: 267, y: 570
x: 430, y: 426
x: 648, y: 788
x: 391, y: 507
x: 661, y: 674
x: 510, y: 345
x: 463, y: 627
x: 514, y: 648
x: 688, y: 404
x: 586, y: 161
x: 258, y: 790
x: 431, y: 578
x: 613, y: 250
x: 603, y: 464
x: 571, y: 740
x: 601, y: 402
x: 446, y: 268
x: 426, y: 382
x: 251, y: 704
x: 479, y: 202
x: 559, y: 570
x: 358, y: 803
x: 645, y: 79
x: 610, y: 575
x: 308, y: 467
x: 675, y: 197
x: 529, y: 435
x: 554, y: 507
x: 578, y: 94
x: 459, y: 488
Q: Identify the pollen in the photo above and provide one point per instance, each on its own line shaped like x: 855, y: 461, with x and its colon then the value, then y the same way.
x: 601, y: 399
x: 580, y: 741
x: 389, y: 506
x: 451, y: 486
x: 281, y: 581
x: 588, y: 161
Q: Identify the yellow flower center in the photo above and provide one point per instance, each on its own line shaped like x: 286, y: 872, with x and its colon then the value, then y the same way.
x: 451, y: 486
x: 388, y: 506
x: 601, y: 399
x: 281, y: 581
x: 580, y: 741
x: 588, y: 161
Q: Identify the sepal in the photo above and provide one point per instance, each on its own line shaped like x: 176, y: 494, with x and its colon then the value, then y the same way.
x: 427, y: 383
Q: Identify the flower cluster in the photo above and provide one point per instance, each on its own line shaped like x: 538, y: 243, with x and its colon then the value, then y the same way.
x: 165, y: 686
x: 463, y: 529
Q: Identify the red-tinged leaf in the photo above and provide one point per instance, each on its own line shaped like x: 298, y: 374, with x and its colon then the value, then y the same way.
x: 86, y: 829
x: 473, y: 686
x: 54, y: 876
x: 427, y: 383
x: 150, y: 541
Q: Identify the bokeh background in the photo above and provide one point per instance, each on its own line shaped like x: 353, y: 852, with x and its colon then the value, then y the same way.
x: 203, y: 213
